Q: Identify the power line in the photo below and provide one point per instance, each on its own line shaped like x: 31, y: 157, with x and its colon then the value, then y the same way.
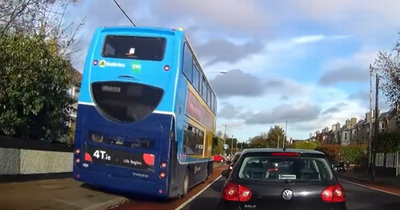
x: 126, y: 15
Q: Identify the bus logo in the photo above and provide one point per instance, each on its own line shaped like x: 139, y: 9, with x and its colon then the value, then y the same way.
x: 102, y: 63
x: 136, y: 67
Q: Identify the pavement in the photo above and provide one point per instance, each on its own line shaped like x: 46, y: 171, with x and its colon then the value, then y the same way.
x: 389, y: 184
x: 357, y: 197
x: 64, y: 194
x: 57, y: 194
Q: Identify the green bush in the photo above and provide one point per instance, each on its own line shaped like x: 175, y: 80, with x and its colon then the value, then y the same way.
x: 34, y: 81
x: 388, y: 142
x: 353, y: 153
x: 305, y: 145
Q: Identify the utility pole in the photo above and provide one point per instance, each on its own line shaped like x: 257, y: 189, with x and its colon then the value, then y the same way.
x: 232, y: 146
x: 370, y: 120
x: 224, y: 138
x: 285, y: 135
x: 376, y: 126
x: 277, y: 145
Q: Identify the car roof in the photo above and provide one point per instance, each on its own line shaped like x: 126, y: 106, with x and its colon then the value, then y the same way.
x: 302, y: 151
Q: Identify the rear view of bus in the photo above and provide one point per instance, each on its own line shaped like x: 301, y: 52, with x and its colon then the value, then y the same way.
x: 125, y: 114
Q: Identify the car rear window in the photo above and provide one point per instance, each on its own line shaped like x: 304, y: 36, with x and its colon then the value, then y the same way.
x: 134, y: 47
x: 276, y: 169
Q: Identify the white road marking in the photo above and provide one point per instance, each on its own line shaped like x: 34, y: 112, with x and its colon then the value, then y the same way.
x: 197, y: 195
x: 371, y: 188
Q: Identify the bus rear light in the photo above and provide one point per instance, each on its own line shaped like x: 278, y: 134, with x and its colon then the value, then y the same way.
x: 77, y: 160
x: 163, y: 165
x: 166, y: 68
x: 78, y: 176
x: 77, y: 151
x: 149, y: 159
x: 95, y: 62
x: 162, y: 175
x: 88, y: 157
x: 160, y: 191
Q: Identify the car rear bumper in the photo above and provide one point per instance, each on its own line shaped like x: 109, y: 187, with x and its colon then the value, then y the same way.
x: 230, y: 205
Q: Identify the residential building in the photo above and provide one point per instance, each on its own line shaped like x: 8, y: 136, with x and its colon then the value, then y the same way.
x: 358, y: 132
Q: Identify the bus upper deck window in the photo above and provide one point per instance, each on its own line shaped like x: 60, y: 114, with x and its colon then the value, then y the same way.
x: 134, y: 47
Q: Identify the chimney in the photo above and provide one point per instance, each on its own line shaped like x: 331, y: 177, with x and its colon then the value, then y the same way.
x: 333, y: 127
x: 337, y: 126
x: 348, y: 123
x: 368, y: 117
x: 353, y: 121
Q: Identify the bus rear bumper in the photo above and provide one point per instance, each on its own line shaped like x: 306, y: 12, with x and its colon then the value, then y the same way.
x: 120, y: 184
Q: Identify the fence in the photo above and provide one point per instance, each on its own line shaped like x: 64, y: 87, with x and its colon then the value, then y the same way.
x: 388, y: 161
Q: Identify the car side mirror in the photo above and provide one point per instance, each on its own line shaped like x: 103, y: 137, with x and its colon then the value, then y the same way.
x: 228, y: 162
x: 225, y: 173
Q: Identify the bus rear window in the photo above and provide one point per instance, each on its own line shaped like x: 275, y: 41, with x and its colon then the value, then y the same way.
x: 134, y: 47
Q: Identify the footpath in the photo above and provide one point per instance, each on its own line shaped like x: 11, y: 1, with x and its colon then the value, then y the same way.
x: 387, y: 184
x: 55, y: 194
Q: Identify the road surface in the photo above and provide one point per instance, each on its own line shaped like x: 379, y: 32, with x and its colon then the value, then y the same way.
x: 358, y: 198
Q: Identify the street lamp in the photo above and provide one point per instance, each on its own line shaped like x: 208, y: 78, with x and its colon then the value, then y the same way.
x: 219, y: 72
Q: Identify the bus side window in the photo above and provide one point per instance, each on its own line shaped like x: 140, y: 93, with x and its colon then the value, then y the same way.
x: 187, y: 63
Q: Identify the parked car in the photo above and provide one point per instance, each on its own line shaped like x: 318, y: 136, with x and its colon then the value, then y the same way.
x: 282, y: 179
x: 219, y: 158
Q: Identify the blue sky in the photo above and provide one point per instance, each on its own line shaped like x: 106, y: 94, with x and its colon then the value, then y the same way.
x: 288, y: 60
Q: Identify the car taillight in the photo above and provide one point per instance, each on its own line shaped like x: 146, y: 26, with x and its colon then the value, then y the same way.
x: 285, y: 154
x: 235, y: 192
x: 333, y: 194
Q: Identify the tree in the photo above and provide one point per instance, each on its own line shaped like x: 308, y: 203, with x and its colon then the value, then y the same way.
x: 305, y: 145
x: 388, y: 67
x: 36, y: 71
x: 34, y: 98
x: 259, y: 141
x: 275, y: 135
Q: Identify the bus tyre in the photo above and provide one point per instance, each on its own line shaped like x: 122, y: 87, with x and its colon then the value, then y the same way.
x: 206, y: 175
x: 185, y: 184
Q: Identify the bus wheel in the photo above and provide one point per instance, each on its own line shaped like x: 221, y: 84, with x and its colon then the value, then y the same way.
x: 206, y: 177
x: 185, y: 184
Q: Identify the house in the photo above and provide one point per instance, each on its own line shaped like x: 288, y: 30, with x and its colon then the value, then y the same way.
x: 356, y: 132
x: 333, y: 134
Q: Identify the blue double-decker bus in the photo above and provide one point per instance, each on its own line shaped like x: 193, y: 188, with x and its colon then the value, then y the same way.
x: 146, y: 114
